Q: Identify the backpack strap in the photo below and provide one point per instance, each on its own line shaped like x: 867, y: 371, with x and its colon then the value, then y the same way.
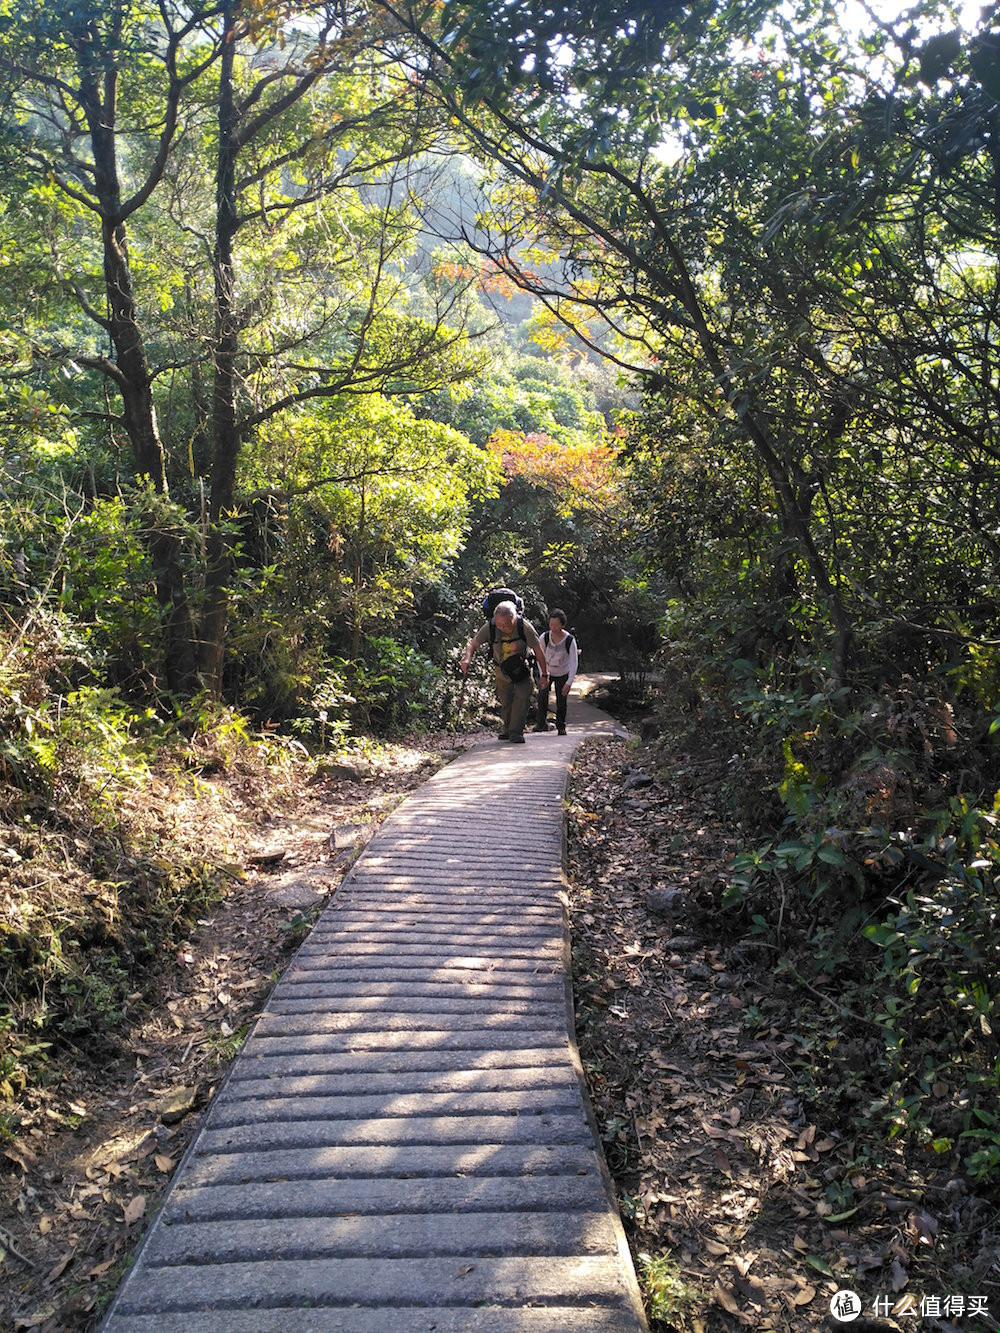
x: 568, y: 640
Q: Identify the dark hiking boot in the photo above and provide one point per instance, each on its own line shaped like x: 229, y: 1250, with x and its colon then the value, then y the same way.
x: 502, y: 736
x: 516, y: 740
x: 561, y: 731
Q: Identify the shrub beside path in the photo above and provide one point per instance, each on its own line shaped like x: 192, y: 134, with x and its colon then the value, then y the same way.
x: 405, y: 1141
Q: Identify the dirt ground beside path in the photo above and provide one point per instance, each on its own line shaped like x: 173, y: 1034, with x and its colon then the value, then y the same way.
x: 749, y: 1201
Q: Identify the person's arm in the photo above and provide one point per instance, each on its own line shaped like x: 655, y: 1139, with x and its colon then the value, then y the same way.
x: 543, y: 679
x: 574, y: 662
x: 534, y: 642
x: 471, y: 647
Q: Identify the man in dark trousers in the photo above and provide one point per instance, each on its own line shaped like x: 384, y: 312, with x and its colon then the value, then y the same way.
x: 510, y: 637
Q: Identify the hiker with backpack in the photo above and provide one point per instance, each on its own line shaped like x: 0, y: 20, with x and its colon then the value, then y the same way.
x: 562, y: 659
x: 510, y: 638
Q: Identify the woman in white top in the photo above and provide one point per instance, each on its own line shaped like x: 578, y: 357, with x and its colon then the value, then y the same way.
x: 561, y: 662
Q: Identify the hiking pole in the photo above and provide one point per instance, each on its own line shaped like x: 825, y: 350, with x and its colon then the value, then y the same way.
x: 460, y: 701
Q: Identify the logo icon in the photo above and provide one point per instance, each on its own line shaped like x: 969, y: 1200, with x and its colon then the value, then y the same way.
x: 845, y: 1306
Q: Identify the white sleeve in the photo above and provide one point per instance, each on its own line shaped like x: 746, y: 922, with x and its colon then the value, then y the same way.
x: 573, y: 660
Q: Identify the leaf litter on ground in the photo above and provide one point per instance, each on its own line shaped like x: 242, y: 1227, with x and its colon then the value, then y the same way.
x: 725, y: 1154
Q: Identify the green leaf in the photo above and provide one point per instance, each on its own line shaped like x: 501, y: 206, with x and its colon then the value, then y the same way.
x: 820, y: 1265
x: 832, y: 856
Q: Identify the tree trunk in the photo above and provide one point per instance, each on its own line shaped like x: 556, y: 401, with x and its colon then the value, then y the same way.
x: 135, y: 384
x: 225, y: 428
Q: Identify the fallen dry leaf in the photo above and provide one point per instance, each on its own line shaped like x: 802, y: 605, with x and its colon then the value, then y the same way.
x: 21, y: 1156
x: 924, y: 1228
x: 58, y: 1269
x: 135, y: 1209
x: 727, y: 1300
x: 721, y: 1160
x: 34, y: 1321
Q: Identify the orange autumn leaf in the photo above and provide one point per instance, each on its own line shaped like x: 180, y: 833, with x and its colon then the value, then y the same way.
x: 583, y: 472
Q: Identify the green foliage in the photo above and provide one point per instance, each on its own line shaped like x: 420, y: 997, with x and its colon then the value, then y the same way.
x: 937, y: 980
x: 519, y: 391
x: 107, y: 584
x: 863, y: 861
x: 100, y: 884
x: 378, y: 503
x: 311, y: 194
x: 391, y: 685
x: 227, y: 1048
x: 332, y: 702
x: 668, y: 1292
x: 633, y: 620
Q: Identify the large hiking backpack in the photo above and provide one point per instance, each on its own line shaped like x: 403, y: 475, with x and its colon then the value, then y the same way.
x: 497, y: 595
x: 490, y: 603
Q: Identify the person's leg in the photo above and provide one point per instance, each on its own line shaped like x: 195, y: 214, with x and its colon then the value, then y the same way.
x: 505, y: 694
x: 520, y: 699
x: 541, y: 722
x: 561, y: 701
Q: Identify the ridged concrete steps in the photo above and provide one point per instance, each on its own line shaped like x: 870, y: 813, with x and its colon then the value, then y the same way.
x: 404, y: 1143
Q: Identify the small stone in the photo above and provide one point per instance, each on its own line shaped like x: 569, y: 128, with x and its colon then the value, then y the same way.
x: 268, y: 858
x: 342, y: 772
x: 664, y: 901
x: 177, y: 1104
x: 348, y: 836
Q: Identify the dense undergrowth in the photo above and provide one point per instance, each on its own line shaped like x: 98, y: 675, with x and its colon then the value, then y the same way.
x: 103, y: 869
x: 736, y: 1098
x: 867, y: 875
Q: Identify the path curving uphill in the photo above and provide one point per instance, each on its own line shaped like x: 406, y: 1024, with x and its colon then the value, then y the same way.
x: 405, y: 1143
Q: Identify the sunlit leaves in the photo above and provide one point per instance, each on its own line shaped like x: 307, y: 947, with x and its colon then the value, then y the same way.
x: 581, y: 473
x: 385, y: 496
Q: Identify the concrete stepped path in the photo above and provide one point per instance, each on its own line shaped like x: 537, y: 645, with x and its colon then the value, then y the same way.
x: 405, y: 1142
